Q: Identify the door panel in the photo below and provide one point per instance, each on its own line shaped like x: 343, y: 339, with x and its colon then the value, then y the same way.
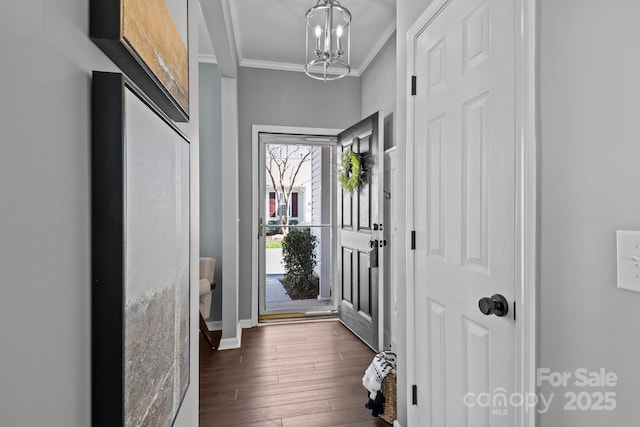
x: 360, y: 237
x: 364, y: 283
x: 347, y: 275
x: 347, y: 202
x: 464, y: 211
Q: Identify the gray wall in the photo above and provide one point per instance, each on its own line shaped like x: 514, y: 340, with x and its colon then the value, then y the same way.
x: 283, y: 98
x: 590, y: 103
x: 211, y: 177
x: 378, y: 88
x: 45, y: 272
x: 378, y: 92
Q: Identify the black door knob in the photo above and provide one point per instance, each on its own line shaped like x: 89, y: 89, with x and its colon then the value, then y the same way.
x: 497, y: 305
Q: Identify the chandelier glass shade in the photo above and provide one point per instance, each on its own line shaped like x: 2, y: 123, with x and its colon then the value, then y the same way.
x: 328, y: 41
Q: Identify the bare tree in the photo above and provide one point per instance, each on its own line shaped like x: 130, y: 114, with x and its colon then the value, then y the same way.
x: 284, y: 163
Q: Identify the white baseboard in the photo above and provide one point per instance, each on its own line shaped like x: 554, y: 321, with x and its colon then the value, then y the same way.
x: 230, y: 343
x: 235, y: 342
x: 214, y: 325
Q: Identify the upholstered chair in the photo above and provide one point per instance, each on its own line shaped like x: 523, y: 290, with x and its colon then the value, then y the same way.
x: 207, y: 268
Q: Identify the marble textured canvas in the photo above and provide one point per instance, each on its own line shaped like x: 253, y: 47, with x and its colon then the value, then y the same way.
x: 141, y: 239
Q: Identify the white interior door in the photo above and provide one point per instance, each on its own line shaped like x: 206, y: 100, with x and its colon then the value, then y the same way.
x: 464, y: 212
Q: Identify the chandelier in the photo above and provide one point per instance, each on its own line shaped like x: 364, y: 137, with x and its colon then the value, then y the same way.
x: 328, y: 41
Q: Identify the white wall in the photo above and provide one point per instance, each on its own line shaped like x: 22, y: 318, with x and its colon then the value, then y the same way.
x: 590, y: 104
x: 283, y: 98
x: 45, y: 271
x: 211, y: 177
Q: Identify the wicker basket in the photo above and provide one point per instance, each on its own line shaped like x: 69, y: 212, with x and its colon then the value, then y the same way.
x: 389, y: 391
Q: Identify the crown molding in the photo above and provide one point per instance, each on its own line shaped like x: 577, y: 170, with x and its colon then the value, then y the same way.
x: 385, y: 35
x: 283, y: 66
x: 271, y: 65
x: 207, y: 58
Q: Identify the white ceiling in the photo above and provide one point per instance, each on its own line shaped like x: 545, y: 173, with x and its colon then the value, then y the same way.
x: 271, y: 34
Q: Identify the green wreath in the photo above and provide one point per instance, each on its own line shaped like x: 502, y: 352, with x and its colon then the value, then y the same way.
x: 350, y: 175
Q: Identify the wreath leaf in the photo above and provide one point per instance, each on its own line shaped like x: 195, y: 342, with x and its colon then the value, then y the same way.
x: 350, y: 175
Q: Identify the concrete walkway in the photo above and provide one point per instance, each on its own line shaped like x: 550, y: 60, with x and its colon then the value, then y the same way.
x: 276, y: 297
x: 273, y: 261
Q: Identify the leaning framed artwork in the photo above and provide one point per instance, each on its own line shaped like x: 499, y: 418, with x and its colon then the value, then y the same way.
x: 140, y: 231
x: 148, y: 40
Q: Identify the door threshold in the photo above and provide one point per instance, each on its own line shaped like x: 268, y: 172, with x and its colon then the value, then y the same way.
x: 297, y: 316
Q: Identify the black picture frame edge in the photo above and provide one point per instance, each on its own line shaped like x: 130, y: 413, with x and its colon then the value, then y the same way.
x: 105, y: 29
x: 107, y: 266
x: 107, y: 258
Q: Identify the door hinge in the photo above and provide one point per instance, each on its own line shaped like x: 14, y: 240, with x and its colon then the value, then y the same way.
x: 413, y: 239
x: 414, y: 85
x: 414, y: 395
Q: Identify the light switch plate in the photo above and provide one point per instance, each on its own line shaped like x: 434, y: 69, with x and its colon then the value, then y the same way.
x: 628, y: 243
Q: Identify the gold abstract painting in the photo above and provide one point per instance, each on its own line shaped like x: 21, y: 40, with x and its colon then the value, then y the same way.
x: 149, y: 28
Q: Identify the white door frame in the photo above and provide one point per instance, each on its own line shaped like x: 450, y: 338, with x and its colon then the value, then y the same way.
x: 255, y: 197
x: 526, y: 207
x: 390, y: 312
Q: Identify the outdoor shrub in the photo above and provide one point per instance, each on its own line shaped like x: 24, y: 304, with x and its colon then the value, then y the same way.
x: 298, y: 255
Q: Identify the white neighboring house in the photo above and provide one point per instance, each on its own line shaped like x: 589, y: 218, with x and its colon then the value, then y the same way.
x: 297, y: 204
x: 300, y: 200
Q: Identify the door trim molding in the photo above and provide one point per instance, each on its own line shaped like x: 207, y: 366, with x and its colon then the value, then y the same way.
x: 526, y: 128
x: 255, y: 192
x: 527, y: 209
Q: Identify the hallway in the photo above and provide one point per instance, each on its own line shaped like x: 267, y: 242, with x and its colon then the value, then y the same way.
x: 286, y: 375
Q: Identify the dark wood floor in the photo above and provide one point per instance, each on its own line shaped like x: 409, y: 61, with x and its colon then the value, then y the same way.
x: 299, y: 374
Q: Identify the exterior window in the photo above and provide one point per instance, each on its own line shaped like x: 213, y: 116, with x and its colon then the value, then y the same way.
x: 272, y: 204
x: 294, y: 204
x: 277, y: 206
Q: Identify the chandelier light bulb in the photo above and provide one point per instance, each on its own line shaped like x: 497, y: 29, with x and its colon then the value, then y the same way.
x: 318, y: 34
x: 339, y: 40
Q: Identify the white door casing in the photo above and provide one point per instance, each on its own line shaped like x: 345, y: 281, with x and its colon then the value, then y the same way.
x: 321, y: 226
x: 390, y: 232
x: 471, y: 197
x: 377, y: 156
x: 257, y: 261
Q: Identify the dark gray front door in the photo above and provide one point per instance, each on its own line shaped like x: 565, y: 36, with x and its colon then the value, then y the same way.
x: 360, y: 244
